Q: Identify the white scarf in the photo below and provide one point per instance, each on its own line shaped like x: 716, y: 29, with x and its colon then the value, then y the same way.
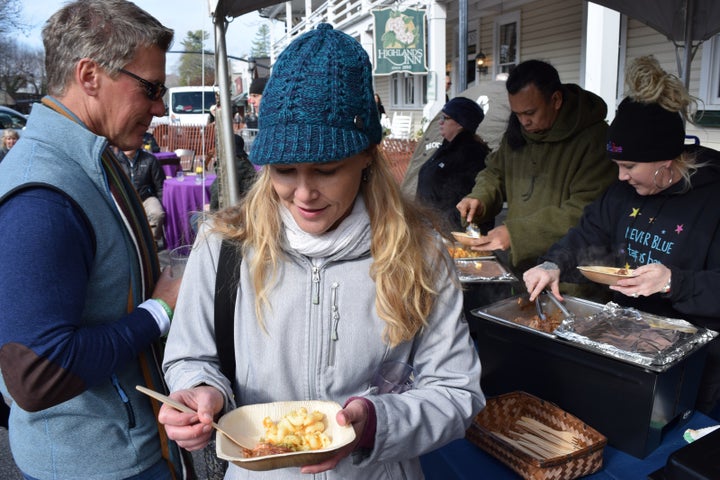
x: 350, y: 239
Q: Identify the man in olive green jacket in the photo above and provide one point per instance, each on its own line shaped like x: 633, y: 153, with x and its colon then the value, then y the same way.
x: 550, y: 164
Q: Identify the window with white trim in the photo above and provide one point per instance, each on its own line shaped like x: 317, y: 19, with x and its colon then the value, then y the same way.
x: 507, y: 42
x: 408, y: 91
x: 710, y: 74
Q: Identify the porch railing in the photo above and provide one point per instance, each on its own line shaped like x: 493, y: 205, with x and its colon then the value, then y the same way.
x: 339, y: 13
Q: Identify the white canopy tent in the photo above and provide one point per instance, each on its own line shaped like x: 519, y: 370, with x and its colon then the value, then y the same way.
x: 686, y: 23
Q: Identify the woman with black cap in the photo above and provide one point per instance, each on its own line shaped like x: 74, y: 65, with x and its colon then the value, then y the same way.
x: 339, y: 273
x: 661, y: 218
x: 255, y: 94
x: 450, y: 173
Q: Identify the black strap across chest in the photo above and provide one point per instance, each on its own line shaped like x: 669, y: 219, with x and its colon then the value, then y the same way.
x: 226, y: 288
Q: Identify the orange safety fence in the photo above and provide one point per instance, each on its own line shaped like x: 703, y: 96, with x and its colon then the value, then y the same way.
x: 398, y: 152
x: 198, y: 138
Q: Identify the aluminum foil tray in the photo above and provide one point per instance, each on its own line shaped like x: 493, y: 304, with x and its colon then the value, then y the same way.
x: 631, y: 335
x: 519, y: 312
x: 626, y: 334
x: 487, y: 270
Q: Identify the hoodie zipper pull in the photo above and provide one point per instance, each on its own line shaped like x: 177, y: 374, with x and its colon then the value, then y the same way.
x: 316, y: 285
x: 335, y: 312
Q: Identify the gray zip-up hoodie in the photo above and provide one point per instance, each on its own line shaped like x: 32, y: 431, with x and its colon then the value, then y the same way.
x: 323, y: 341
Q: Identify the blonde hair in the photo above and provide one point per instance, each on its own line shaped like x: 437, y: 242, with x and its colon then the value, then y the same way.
x: 9, y: 133
x: 686, y: 165
x: 406, y: 257
x: 647, y: 82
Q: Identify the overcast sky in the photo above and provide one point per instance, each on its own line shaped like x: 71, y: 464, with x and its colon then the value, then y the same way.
x: 180, y: 15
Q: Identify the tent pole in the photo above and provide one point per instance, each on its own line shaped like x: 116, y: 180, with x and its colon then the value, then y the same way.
x: 687, y: 54
x: 461, y: 79
x: 227, y: 147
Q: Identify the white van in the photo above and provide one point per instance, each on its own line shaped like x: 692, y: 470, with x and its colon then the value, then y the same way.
x: 190, y: 105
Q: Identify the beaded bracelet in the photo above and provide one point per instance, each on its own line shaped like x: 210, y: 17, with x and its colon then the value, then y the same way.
x: 165, y: 307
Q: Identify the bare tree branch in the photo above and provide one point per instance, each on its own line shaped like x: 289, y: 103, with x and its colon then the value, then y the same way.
x: 21, y: 67
x: 10, y: 17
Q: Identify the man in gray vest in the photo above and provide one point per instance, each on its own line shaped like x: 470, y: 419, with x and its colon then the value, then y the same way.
x: 83, y: 300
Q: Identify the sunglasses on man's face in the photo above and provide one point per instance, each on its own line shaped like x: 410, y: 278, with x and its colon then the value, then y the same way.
x: 154, y: 91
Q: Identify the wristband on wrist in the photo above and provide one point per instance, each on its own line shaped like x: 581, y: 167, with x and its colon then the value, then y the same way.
x: 165, y: 307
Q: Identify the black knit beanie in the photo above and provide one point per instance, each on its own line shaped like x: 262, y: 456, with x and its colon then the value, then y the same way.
x: 258, y: 85
x: 465, y: 112
x: 645, y: 132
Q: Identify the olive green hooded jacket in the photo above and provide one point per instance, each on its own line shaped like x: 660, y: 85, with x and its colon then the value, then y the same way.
x: 549, y: 181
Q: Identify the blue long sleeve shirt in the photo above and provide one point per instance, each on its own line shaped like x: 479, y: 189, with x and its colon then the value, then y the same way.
x: 42, y: 230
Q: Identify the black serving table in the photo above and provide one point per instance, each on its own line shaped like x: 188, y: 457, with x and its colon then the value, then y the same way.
x: 631, y: 405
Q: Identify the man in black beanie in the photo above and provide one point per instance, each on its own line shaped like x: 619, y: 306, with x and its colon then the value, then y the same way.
x: 550, y: 164
x: 257, y: 87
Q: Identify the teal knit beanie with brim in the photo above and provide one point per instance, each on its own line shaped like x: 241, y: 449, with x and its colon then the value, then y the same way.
x: 318, y: 105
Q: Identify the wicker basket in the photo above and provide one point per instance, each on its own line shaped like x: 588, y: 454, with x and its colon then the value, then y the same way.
x: 501, y: 415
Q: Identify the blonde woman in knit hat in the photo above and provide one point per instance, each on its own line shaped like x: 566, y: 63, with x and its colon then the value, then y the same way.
x: 661, y: 218
x: 339, y: 273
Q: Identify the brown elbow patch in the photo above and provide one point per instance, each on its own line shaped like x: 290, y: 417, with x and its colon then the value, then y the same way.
x: 34, y: 382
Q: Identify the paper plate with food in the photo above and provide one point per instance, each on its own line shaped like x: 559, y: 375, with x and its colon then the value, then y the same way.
x: 287, y: 434
x: 465, y: 253
x: 605, y: 275
x: 465, y: 238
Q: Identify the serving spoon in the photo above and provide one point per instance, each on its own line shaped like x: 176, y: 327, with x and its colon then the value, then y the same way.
x: 473, y: 230
x: 243, y: 442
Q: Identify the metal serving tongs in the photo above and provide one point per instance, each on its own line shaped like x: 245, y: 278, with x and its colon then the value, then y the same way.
x: 241, y: 441
x: 561, y: 306
x: 538, y: 307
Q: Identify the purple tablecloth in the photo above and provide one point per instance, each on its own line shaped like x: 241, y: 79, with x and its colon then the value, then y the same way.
x: 171, y: 169
x: 169, y: 161
x: 165, y: 156
x: 180, y: 200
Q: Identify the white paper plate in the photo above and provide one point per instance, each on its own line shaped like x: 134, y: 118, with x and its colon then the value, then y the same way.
x: 605, y: 275
x: 247, y: 421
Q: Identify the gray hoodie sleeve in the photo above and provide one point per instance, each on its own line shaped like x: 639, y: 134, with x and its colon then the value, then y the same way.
x: 190, y: 357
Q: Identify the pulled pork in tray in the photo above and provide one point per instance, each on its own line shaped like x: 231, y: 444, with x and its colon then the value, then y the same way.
x: 554, y: 318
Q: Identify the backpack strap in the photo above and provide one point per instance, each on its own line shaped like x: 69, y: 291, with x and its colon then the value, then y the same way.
x: 226, y: 287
